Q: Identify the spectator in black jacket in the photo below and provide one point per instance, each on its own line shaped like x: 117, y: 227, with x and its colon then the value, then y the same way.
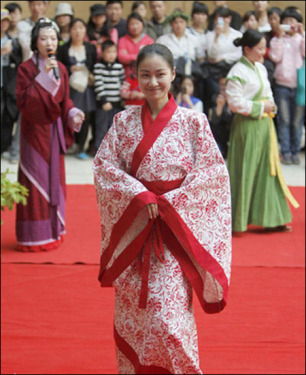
x: 79, y: 58
x: 11, y: 57
x: 114, y: 14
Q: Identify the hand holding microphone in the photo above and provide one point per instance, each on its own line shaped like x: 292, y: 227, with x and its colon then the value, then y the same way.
x: 51, y: 63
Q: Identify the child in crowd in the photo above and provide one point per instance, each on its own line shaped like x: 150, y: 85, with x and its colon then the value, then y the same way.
x: 185, y: 97
x: 109, y: 76
x: 130, y: 90
x: 287, y: 50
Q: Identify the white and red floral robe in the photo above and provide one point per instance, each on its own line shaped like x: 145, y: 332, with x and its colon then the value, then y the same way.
x: 154, y: 264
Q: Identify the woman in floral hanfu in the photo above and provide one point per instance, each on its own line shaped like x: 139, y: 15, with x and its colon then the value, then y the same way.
x: 164, y: 200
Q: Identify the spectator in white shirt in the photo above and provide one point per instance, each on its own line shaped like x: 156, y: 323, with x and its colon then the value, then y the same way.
x: 180, y: 42
x: 198, y: 28
x: 220, y: 41
x: 25, y: 26
x: 221, y: 53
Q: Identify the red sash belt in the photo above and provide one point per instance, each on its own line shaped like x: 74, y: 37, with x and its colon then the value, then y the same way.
x: 154, y: 238
x: 162, y: 187
x: 150, y: 237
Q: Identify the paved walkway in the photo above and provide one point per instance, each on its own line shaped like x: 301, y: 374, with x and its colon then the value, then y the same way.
x: 80, y: 171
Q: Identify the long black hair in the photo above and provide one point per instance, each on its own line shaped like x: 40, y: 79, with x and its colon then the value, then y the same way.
x: 105, y: 30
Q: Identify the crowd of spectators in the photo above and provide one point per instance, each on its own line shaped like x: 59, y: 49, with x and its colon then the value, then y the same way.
x: 100, y: 54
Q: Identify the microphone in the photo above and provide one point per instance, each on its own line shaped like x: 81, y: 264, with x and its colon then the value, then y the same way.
x: 56, y: 71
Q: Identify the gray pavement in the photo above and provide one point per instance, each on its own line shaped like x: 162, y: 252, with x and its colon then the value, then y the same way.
x: 80, y: 171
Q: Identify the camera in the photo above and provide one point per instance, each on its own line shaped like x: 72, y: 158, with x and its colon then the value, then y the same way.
x: 294, y: 28
x: 220, y: 21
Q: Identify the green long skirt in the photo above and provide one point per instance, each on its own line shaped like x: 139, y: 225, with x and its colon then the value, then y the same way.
x: 257, y: 197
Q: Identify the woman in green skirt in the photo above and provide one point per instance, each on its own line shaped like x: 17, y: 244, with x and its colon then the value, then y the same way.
x: 259, y: 192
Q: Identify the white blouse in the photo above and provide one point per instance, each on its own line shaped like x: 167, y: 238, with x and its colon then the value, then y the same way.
x: 187, y: 46
x: 224, y: 48
x: 247, y: 87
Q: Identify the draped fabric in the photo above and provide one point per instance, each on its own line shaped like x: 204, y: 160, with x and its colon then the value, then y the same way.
x: 46, y: 131
x: 154, y: 264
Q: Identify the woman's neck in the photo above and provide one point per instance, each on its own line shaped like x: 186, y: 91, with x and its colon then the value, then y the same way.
x: 77, y: 43
x: 136, y: 38
x: 199, y: 28
x: 65, y: 29
x: 157, y: 106
x: 249, y: 59
x: 2, y: 34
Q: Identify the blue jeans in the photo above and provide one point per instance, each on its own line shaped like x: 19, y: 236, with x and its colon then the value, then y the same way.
x: 290, y: 120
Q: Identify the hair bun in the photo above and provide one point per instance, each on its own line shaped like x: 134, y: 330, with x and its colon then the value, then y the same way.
x: 238, y: 42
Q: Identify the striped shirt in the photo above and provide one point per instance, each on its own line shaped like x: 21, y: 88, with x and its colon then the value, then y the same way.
x: 108, y: 80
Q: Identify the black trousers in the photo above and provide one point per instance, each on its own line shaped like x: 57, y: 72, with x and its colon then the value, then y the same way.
x: 104, y: 120
x: 7, y: 124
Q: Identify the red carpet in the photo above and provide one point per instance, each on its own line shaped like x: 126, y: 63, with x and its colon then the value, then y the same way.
x: 56, y: 319
x: 82, y: 242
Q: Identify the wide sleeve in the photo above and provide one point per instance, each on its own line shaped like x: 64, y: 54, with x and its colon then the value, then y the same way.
x: 35, y: 102
x: 237, y: 100
x: 118, y: 192
x: 199, y: 216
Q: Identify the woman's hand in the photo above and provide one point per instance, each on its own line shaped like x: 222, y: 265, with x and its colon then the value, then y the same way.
x: 152, y: 210
x: 50, y: 63
x: 79, y: 118
x: 269, y: 107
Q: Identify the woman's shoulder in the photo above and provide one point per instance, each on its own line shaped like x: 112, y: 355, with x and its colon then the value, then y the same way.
x: 129, y: 113
x: 189, y: 114
x: 238, y: 69
x: 28, y: 65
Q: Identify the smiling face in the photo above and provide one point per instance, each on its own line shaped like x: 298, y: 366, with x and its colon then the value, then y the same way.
x: 47, y: 40
x: 155, y: 77
x: 256, y: 54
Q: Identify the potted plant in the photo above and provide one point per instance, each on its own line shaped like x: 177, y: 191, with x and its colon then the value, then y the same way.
x: 12, y: 192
